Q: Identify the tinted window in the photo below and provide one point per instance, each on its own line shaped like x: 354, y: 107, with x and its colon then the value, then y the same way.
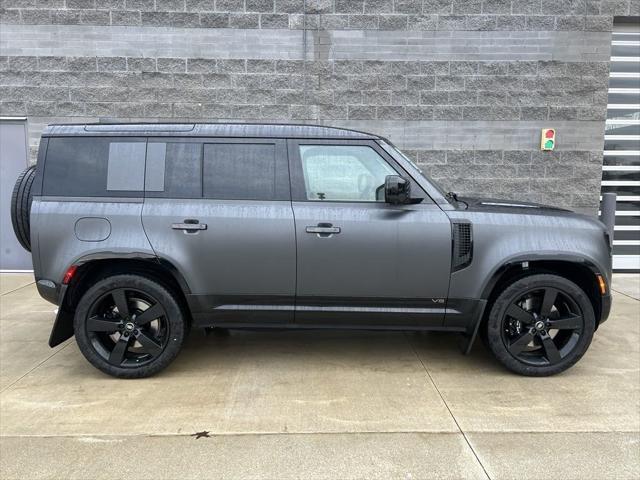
x: 94, y: 166
x: 183, y: 170
x: 154, y: 171
x: 239, y: 171
x: 174, y: 170
x: 343, y: 173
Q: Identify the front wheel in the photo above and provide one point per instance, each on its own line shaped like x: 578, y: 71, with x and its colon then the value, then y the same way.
x: 540, y: 325
x: 129, y: 326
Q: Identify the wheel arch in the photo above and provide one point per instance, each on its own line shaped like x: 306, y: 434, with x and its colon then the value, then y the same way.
x: 97, y: 267
x: 578, y: 269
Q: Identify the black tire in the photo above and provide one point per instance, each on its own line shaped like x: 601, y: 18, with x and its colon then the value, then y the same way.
x: 21, y: 200
x: 129, y: 344
x: 540, y: 325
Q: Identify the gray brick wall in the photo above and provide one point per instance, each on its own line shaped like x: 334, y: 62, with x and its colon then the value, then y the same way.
x: 463, y: 87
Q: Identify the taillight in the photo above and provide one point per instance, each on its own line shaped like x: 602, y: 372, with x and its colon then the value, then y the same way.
x: 69, y: 275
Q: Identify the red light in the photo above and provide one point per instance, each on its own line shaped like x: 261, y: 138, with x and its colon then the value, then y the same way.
x: 69, y: 275
x: 549, y: 133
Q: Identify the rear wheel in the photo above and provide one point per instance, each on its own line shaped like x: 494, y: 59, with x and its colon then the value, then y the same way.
x: 540, y: 325
x: 129, y: 326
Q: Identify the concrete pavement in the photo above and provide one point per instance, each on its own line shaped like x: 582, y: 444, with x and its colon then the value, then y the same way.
x: 627, y: 284
x: 316, y: 405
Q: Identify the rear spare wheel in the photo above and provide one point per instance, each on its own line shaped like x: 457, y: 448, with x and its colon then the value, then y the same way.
x: 21, y: 205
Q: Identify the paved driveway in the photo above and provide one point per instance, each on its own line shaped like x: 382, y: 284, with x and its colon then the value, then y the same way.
x: 316, y: 405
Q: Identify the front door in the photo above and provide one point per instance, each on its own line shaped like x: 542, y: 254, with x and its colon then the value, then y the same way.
x: 362, y: 261
x: 220, y: 211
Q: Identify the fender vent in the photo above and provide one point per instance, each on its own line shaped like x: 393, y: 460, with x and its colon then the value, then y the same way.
x: 462, y: 245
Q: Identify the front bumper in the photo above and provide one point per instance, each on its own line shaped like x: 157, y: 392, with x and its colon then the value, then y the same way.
x: 605, y: 307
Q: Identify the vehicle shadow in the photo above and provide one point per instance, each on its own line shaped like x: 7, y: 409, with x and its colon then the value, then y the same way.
x: 356, y: 348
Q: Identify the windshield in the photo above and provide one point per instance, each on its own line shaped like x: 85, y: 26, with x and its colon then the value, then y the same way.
x: 389, y: 147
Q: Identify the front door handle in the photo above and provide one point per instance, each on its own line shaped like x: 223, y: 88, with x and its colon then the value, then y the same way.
x: 323, y: 229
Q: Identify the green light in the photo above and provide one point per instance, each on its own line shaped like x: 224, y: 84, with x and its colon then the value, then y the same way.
x: 548, y: 144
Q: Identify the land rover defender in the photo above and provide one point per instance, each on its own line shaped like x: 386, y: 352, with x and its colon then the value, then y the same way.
x: 139, y: 232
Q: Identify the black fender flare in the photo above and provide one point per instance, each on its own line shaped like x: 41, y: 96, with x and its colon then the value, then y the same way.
x: 63, y: 325
x: 470, y: 337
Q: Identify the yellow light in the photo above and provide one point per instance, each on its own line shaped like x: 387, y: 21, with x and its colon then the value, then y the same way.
x: 602, y: 284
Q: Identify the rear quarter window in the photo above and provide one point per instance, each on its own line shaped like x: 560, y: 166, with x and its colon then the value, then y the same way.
x: 94, y: 167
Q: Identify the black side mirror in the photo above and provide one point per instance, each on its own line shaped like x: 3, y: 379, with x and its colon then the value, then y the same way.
x: 397, y: 190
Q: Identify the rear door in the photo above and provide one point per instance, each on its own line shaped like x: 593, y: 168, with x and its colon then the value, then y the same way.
x: 362, y: 261
x: 219, y: 210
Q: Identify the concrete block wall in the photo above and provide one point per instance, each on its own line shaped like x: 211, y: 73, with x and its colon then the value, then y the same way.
x: 464, y: 87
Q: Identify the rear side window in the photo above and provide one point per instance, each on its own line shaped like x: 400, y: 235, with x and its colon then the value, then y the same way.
x: 174, y: 170
x: 94, y: 167
x: 217, y: 170
x: 183, y: 171
x: 239, y: 171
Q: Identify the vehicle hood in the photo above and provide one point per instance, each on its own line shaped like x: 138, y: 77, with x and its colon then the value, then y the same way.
x: 508, y: 206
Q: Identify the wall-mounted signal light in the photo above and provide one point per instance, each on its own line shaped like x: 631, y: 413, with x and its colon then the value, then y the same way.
x: 548, y: 140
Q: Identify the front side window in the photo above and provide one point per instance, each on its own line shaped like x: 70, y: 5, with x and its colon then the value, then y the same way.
x: 344, y: 173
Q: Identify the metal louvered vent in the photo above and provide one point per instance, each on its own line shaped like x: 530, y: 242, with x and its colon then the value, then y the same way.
x: 462, y: 245
x: 621, y: 165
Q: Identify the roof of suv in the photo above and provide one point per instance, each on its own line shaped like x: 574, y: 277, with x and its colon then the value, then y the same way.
x: 205, y: 130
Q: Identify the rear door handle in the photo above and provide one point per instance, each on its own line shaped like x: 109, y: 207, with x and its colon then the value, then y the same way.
x: 189, y: 226
x: 323, y: 229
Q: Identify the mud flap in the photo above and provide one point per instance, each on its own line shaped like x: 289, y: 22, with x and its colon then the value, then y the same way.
x: 469, y: 337
x: 62, y: 328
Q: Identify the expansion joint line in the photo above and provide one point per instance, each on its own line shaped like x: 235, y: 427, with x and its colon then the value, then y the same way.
x: 447, y: 406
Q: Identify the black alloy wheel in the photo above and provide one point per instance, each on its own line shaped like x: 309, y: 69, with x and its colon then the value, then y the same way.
x: 540, y: 325
x: 129, y: 326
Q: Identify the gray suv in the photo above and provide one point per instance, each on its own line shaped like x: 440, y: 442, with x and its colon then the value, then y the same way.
x: 139, y: 232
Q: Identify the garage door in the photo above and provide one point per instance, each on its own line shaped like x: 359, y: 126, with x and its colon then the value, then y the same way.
x: 13, y: 160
